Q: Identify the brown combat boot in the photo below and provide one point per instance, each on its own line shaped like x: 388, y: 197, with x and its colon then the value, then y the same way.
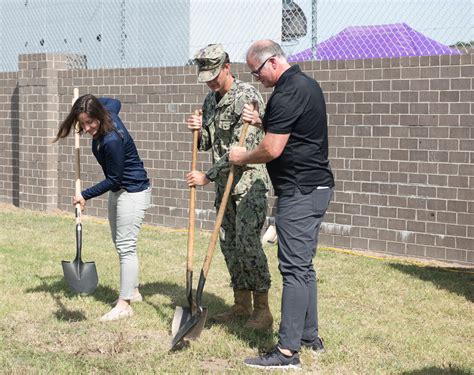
x: 262, y: 317
x: 242, y: 307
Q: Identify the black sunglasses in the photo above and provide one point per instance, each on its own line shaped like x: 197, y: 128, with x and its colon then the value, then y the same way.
x: 256, y: 73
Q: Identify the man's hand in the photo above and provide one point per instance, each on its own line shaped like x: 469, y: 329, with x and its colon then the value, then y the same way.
x: 236, y: 155
x: 79, y: 199
x: 196, y: 178
x: 250, y: 115
x: 195, y: 121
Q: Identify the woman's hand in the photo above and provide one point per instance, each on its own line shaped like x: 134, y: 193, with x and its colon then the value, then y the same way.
x: 79, y: 199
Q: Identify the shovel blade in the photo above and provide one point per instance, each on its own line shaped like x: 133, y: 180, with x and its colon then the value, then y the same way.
x: 181, y: 316
x: 187, y: 325
x: 81, y: 277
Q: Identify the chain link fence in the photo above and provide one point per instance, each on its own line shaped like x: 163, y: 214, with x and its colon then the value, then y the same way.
x: 152, y: 33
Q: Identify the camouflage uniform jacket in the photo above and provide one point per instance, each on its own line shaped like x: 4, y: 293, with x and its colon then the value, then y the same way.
x: 221, y: 129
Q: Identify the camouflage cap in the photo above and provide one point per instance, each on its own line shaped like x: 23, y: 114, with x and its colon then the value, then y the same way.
x: 209, y: 60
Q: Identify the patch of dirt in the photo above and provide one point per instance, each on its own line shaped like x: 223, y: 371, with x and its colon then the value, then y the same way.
x: 216, y: 365
x: 83, y: 340
x: 8, y: 207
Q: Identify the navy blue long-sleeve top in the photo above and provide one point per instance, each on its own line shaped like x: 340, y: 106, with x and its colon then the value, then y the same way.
x: 118, y: 156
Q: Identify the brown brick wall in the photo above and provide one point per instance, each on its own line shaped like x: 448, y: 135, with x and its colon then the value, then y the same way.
x: 401, y: 138
x: 38, y: 121
x: 402, y: 135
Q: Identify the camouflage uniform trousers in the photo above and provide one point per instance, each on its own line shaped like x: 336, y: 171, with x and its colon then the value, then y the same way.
x: 240, y: 240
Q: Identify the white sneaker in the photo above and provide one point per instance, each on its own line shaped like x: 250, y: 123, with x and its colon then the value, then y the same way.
x: 117, y: 313
x: 270, y: 235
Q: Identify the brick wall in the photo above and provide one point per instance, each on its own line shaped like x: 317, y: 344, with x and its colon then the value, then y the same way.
x: 9, y: 138
x: 38, y: 121
x: 401, y: 138
x: 402, y: 135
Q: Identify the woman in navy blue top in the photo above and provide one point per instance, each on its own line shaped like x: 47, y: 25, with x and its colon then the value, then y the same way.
x: 126, y: 181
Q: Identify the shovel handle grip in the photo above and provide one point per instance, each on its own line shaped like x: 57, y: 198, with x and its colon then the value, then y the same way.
x: 195, y: 145
x: 192, y: 203
x: 222, y: 208
x: 77, y: 154
x: 77, y: 171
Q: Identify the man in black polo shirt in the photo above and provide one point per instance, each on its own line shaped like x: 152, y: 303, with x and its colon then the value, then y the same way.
x: 295, y: 148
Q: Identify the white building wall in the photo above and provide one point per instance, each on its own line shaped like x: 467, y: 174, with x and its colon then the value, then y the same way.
x: 233, y: 23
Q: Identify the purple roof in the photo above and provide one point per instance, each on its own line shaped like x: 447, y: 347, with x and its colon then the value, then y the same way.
x: 362, y: 42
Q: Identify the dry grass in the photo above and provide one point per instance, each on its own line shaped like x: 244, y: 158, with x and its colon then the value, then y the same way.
x: 377, y: 316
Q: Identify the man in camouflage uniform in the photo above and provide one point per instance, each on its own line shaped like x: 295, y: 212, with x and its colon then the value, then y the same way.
x: 220, y: 124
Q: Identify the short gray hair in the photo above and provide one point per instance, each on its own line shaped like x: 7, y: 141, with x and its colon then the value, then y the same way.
x: 261, y: 49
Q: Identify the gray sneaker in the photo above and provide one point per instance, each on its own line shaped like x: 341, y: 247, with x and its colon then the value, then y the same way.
x: 317, y: 346
x: 275, y: 360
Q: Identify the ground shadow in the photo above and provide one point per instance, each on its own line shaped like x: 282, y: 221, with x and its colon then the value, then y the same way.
x: 55, y: 285
x: 456, y: 280
x: 57, y: 288
x: 263, y: 341
x: 214, y: 304
x: 451, y: 370
x: 177, y: 294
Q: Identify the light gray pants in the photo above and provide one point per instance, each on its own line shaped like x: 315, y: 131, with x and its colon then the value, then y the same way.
x: 126, y: 212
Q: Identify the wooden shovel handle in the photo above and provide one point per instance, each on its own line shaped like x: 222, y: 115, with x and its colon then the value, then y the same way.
x: 77, y: 152
x: 222, y: 208
x: 192, y: 203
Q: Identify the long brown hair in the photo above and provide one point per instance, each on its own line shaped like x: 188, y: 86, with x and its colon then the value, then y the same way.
x: 93, y: 107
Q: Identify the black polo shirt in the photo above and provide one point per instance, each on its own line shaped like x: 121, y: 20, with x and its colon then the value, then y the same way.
x: 297, y: 107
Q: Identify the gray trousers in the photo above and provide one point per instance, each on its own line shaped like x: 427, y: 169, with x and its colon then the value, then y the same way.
x: 298, y: 220
x: 126, y: 212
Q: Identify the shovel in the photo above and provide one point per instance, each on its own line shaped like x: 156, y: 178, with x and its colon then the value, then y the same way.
x: 195, y: 323
x: 184, y: 314
x: 81, y: 277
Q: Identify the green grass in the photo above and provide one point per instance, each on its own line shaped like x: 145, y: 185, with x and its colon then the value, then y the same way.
x: 376, y: 316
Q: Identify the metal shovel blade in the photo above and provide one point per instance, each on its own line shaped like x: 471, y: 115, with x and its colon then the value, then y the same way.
x: 187, y: 325
x: 182, y: 315
x: 81, y: 277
